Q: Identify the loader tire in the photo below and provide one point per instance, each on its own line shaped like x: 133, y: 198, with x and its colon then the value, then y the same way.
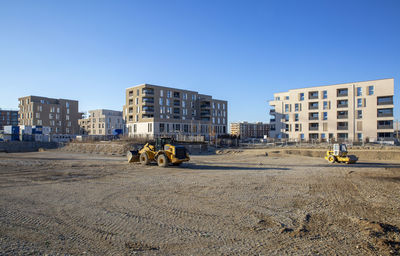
x: 162, y: 160
x: 144, y: 159
x: 331, y: 159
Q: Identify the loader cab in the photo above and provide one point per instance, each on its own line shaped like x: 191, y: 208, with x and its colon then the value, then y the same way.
x: 161, y: 142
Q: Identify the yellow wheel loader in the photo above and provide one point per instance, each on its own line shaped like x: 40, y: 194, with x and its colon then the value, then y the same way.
x: 163, y: 152
x: 339, y: 154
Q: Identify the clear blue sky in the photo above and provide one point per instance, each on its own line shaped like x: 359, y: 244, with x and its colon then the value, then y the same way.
x: 240, y: 51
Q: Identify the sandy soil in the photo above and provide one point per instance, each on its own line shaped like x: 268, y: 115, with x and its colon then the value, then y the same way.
x: 235, y: 203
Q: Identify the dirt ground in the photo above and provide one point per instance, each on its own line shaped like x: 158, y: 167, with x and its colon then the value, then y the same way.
x: 234, y: 203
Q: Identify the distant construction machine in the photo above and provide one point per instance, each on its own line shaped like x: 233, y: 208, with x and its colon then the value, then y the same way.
x: 163, y: 152
x: 339, y: 154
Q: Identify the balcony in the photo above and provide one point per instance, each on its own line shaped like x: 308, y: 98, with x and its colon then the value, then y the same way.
x: 147, y: 91
x: 272, y: 111
x: 381, y: 127
x: 342, y: 105
x: 312, y: 95
x: 148, y: 101
x: 312, y: 118
x: 342, y: 92
x: 147, y: 110
x: 385, y: 114
x: 385, y: 100
x: 313, y: 128
x: 272, y: 120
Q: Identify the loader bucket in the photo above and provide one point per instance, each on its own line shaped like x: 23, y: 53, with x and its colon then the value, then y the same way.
x: 133, y: 156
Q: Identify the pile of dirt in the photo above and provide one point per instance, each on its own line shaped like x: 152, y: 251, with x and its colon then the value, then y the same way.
x: 361, y: 154
x: 98, y: 148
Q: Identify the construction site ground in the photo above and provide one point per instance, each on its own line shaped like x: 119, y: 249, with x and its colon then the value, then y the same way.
x: 237, y: 202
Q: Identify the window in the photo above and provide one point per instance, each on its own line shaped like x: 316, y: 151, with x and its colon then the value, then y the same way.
x: 359, y: 103
x: 177, y: 95
x: 185, y: 96
x: 137, y: 101
x: 37, y: 115
x: 67, y: 104
x: 183, y: 103
x: 296, y: 117
x: 286, y: 117
x: 161, y: 101
x: 359, y: 136
x: 168, y: 94
x: 301, y: 96
x: 296, y: 127
x: 39, y: 108
x: 286, y: 107
x: 359, y: 114
x: 150, y: 127
x: 161, y: 94
x: 359, y: 91
x: 324, y: 94
x: 296, y: 107
x: 277, y: 98
x: 58, y: 110
x: 193, y: 97
x: 323, y: 136
x: 162, y: 127
x: 324, y: 115
x: 168, y: 102
x: 325, y: 105
x: 371, y: 90
x: 302, y: 136
x: 286, y: 97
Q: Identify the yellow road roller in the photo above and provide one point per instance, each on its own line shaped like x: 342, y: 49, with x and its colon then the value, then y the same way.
x: 339, y: 154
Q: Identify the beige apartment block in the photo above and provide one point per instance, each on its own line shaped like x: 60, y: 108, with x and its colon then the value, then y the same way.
x: 102, y: 122
x: 152, y: 110
x: 61, y: 115
x: 250, y: 130
x: 358, y: 111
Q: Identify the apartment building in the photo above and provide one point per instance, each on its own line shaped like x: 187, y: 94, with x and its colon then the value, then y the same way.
x: 61, y: 115
x: 250, y: 130
x: 152, y: 110
x: 8, y: 117
x: 102, y: 122
x: 358, y: 111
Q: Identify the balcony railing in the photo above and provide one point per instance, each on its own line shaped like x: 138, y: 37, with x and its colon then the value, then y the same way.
x: 312, y: 107
x: 342, y: 116
x: 147, y: 92
x: 385, y: 114
x: 313, y: 118
x: 148, y: 100
x: 311, y: 96
x: 342, y: 105
x: 388, y: 102
x: 342, y: 128
x: 272, y: 111
x: 272, y: 120
x: 385, y: 126
x: 313, y: 128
